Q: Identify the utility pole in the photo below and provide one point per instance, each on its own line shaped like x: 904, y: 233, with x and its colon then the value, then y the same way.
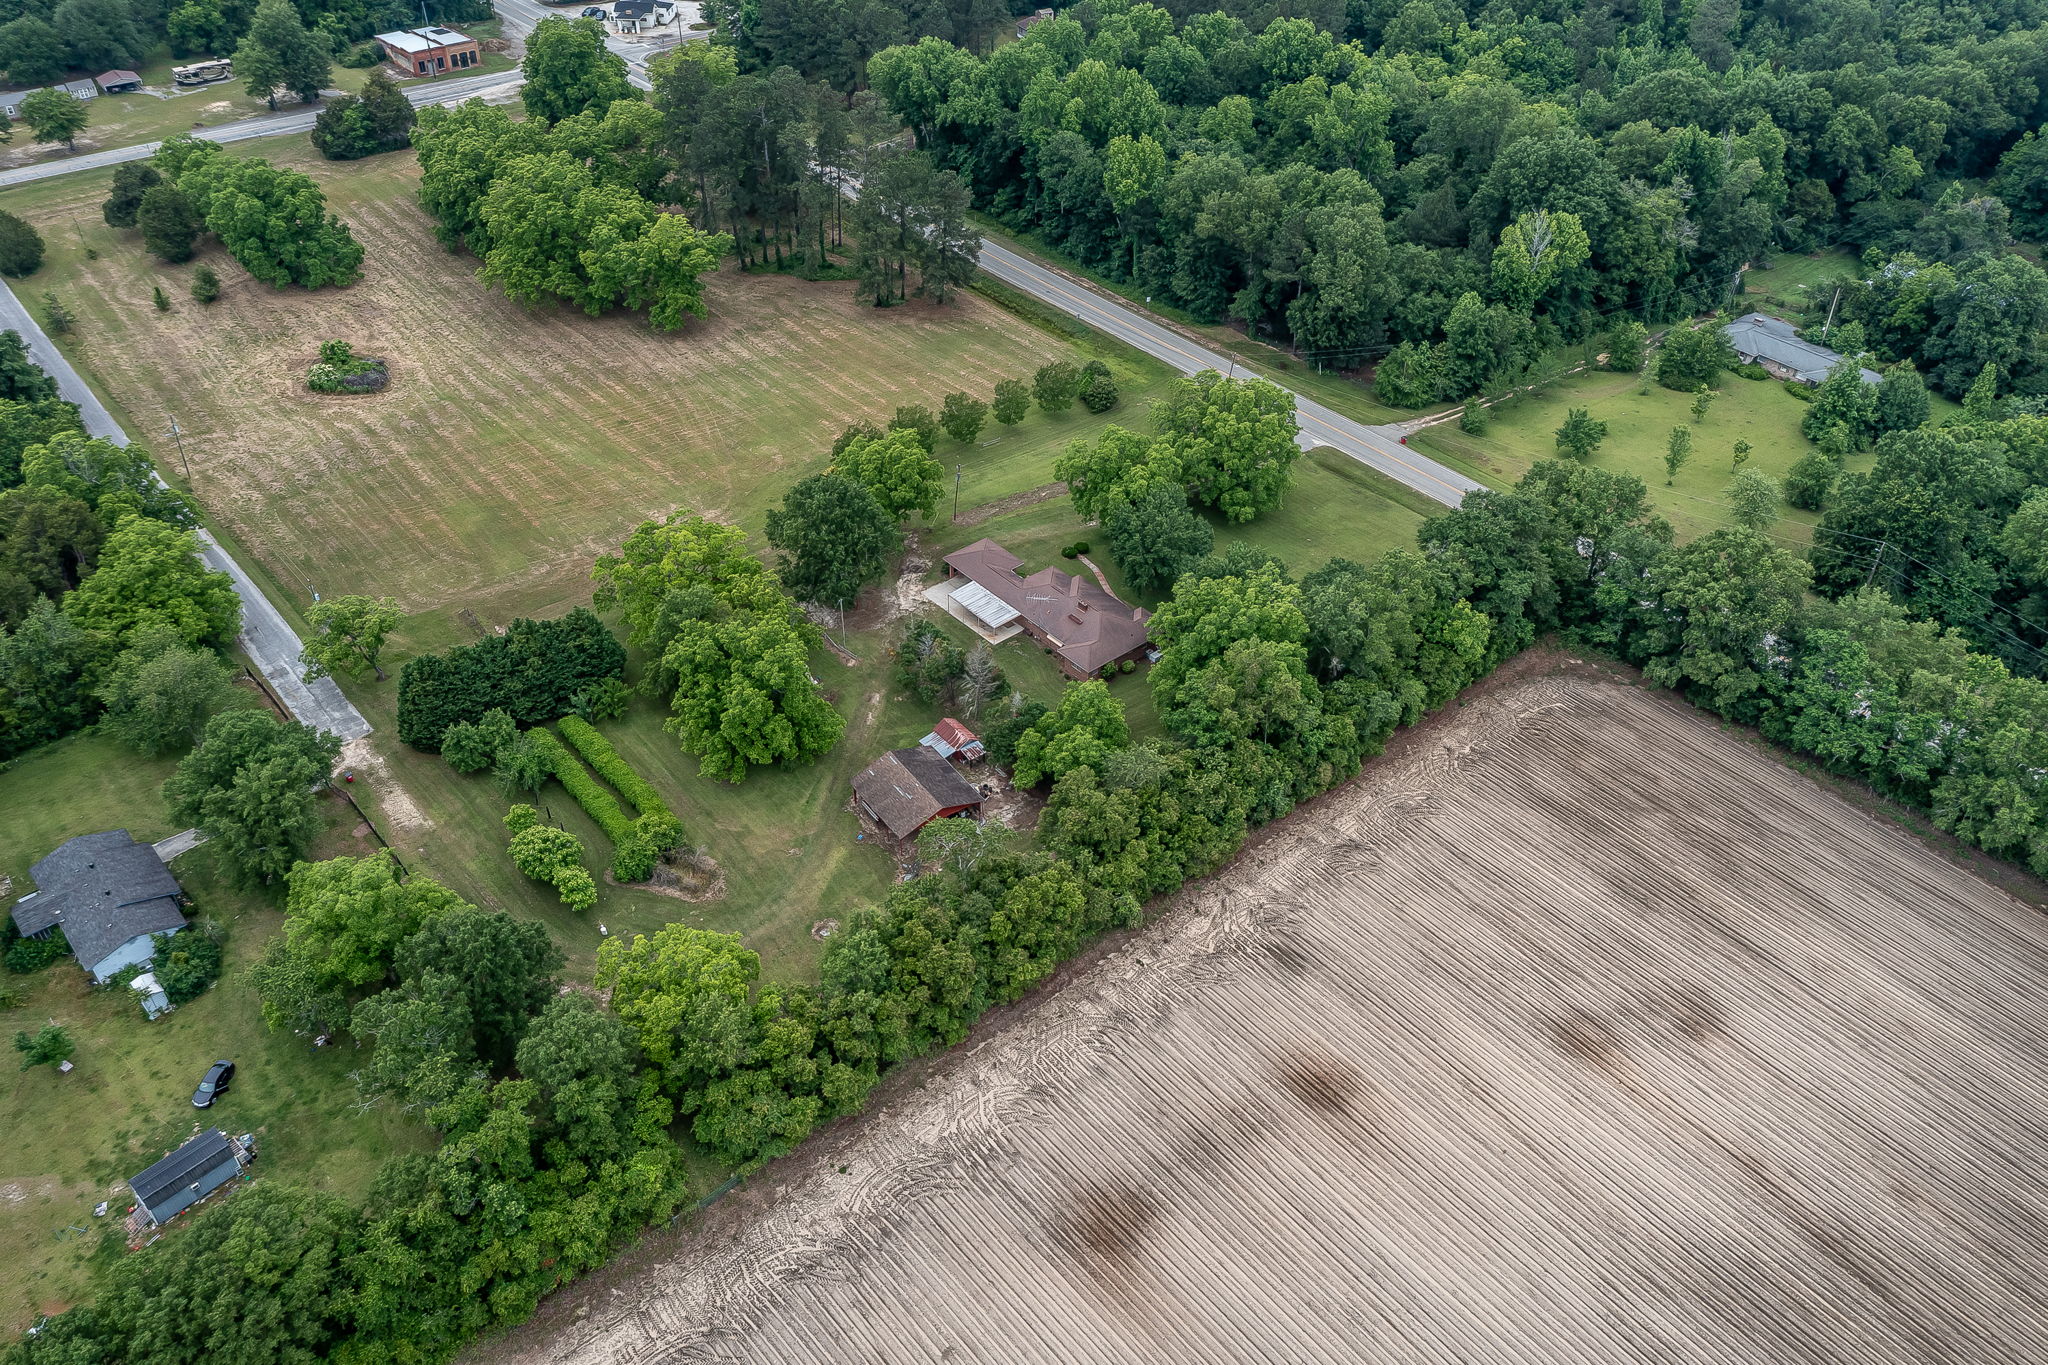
x: 1876, y: 560
x: 178, y: 435
x: 956, y: 490
x: 1828, y: 328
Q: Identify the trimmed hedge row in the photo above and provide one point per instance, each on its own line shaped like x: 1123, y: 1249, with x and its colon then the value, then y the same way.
x: 598, y: 752
x: 636, y: 844
x: 599, y: 804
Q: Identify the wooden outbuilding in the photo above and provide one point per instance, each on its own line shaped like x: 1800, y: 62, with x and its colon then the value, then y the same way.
x: 906, y: 789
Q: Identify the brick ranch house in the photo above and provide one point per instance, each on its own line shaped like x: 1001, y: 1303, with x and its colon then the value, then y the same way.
x: 1088, y: 629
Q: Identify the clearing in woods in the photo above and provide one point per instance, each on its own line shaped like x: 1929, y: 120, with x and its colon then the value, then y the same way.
x: 1578, y: 1031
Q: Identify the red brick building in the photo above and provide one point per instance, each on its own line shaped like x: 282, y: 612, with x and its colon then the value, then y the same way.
x: 431, y: 51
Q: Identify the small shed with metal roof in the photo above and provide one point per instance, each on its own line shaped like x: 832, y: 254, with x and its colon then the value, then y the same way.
x: 188, y: 1175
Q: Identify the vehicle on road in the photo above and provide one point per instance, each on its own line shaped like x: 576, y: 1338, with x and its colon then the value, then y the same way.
x: 593, y: 12
x: 214, y: 1085
x: 209, y: 72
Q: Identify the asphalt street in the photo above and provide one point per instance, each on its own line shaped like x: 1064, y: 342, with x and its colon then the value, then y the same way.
x: 267, y: 638
x: 266, y: 125
x: 1377, y: 447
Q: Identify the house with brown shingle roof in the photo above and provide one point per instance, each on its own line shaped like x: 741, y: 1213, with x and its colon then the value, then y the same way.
x: 1088, y: 628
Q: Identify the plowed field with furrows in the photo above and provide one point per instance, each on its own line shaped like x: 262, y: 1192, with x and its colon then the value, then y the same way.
x: 1579, y: 1032
x: 514, y: 444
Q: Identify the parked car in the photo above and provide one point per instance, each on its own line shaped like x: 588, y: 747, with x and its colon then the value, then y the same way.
x: 593, y: 12
x: 215, y: 1085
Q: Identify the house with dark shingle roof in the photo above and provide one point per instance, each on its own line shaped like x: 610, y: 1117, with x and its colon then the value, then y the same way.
x: 110, y: 896
x: 188, y: 1175
x: 1088, y: 628
x: 1775, y: 344
x: 906, y: 789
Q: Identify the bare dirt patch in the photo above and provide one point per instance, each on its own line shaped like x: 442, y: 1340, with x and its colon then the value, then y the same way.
x: 374, y: 779
x: 691, y: 877
x: 1578, y: 1030
x: 1016, y: 502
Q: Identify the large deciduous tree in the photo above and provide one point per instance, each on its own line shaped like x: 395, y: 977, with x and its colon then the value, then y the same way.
x: 685, y: 993
x: 731, y: 651
x: 568, y: 69
x: 160, y: 690
x: 1086, y: 726
x: 280, y: 53
x: 898, y: 469
x: 344, y: 921
x: 1156, y: 535
x: 556, y: 231
x: 251, y: 786
x: 149, y: 573
x: 275, y: 222
x: 1233, y: 440
x: 835, y: 538
x: 348, y: 635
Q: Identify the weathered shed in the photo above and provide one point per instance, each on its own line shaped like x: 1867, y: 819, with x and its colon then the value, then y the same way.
x: 906, y: 789
x: 949, y: 739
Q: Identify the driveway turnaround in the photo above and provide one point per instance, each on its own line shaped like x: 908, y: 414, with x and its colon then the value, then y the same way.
x: 267, y: 638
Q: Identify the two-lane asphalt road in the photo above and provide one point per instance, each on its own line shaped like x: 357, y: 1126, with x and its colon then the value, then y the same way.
x: 264, y: 125
x: 1377, y: 447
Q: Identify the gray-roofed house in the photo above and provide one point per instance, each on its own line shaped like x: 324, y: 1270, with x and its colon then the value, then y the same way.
x: 188, y: 1175
x: 110, y: 896
x: 1088, y: 628
x: 906, y: 789
x: 1775, y: 344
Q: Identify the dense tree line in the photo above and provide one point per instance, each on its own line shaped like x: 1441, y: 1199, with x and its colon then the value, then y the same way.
x: 1457, y: 188
x: 1952, y: 522
x: 106, y: 610
x: 534, y: 672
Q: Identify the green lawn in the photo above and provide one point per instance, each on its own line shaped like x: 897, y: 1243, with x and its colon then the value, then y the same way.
x: 80, y: 784
x: 68, y: 1142
x: 1782, y: 287
x: 1523, y: 431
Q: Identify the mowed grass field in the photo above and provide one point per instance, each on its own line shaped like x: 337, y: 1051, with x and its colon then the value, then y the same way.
x: 515, y: 444
x: 67, y: 1142
x: 1524, y: 430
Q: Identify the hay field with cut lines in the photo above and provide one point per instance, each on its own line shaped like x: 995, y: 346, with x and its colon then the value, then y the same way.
x: 514, y: 444
x: 1577, y: 1031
